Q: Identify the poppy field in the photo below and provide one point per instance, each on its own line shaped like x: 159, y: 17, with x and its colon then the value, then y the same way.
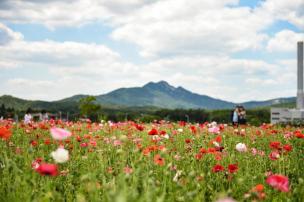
x: 160, y: 161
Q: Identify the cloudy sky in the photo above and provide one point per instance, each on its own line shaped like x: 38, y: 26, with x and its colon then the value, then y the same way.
x: 228, y: 49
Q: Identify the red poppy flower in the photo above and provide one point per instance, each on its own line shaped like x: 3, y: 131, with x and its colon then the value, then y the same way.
x: 258, y: 132
x: 218, y: 168
x: 5, y: 133
x: 198, y: 156
x: 78, y: 138
x: 279, y: 182
x: 139, y: 127
x: 274, y: 132
x: 287, y: 147
x: 193, y: 129
x: 47, y: 169
x: 232, y: 168
x: 87, y: 136
x: 211, y: 150
x: 43, y: 126
x: 188, y: 140
x: 162, y: 132
x: 203, y: 150
x: 218, y: 156
x: 258, y: 188
x: 36, y: 163
x: 220, y: 149
x: 34, y: 143
x: 153, y: 131
x: 275, y: 145
x: 47, y: 141
x: 182, y: 123
x: 299, y: 134
x: 159, y: 160
x: 218, y: 139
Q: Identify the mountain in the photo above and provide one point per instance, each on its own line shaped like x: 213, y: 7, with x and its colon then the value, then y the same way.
x: 153, y: 94
x: 279, y: 102
x: 161, y: 95
x: 21, y: 104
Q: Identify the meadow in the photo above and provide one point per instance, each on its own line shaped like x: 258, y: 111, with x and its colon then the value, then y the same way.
x: 159, y: 161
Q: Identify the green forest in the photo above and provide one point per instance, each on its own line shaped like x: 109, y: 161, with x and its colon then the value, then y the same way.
x: 141, y: 114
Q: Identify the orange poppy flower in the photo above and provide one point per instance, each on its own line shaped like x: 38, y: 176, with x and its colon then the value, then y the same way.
x: 5, y: 133
x: 159, y: 160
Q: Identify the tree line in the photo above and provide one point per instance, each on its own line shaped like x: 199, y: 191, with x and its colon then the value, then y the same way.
x: 88, y: 108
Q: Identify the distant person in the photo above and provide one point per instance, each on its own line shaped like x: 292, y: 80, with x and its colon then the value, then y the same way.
x: 235, y: 117
x: 43, y: 116
x: 28, y: 117
x: 242, y: 116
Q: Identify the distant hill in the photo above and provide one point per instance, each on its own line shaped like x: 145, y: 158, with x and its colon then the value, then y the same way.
x: 279, y: 102
x: 22, y: 105
x: 153, y: 94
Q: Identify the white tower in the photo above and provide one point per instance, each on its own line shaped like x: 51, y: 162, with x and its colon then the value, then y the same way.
x: 300, y: 93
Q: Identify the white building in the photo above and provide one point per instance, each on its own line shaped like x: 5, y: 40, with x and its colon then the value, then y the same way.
x: 281, y: 115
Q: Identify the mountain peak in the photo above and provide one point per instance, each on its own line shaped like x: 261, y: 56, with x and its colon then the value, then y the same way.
x: 160, y: 84
x: 163, y: 83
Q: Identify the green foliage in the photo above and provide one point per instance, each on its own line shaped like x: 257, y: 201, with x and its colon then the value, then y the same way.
x: 258, y: 116
x: 220, y: 116
x: 146, y: 118
x: 286, y: 105
x: 89, y: 108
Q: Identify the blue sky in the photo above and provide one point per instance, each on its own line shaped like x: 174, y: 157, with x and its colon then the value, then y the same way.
x: 229, y: 49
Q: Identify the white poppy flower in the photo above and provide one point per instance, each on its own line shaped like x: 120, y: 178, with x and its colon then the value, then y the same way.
x: 241, y: 147
x: 61, y: 155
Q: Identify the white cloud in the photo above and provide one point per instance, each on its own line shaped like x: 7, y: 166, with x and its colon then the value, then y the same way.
x: 60, y: 13
x: 166, y: 27
x: 284, y: 41
x: 7, y: 35
x: 291, y: 11
x: 157, y: 27
x: 183, y: 27
x: 95, y: 69
x: 4, y: 64
x: 258, y: 81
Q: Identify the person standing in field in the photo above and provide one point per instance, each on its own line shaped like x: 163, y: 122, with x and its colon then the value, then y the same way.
x: 43, y: 116
x: 235, y: 117
x: 242, y: 116
x: 28, y: 117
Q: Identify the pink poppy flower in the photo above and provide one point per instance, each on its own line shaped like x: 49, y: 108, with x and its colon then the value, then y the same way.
x: 84, y: 144
x: 227, y: 199
x: 279, y: 182
x: 60, y: 134
x: 261, y: 153
x: 274, y: 155
x: 254, y: 151
x: 128, y: 170
x: 117, y: 143
x: 215, y: 130
x: 93, y: 143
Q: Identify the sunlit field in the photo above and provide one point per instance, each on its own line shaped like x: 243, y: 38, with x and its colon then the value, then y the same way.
x: 160, y: 161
